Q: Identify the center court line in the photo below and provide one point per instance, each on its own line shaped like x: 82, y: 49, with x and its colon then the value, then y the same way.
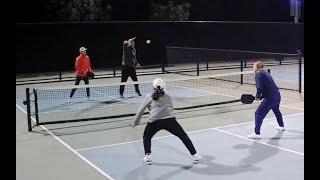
x: 243, y: 137
x: 216, y: 128
x: 70, y: 148
x: 109, y: 96
x: 208, y: 92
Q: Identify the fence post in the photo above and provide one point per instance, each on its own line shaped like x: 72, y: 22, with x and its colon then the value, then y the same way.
x: 27, y: 102
x: 241, y: 69
x: 198, y: 73
x: 60, y: 76
x: 300, y: 73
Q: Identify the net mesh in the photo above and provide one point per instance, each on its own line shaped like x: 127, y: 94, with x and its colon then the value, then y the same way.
x: 202, y: 61
x: 53, y: 105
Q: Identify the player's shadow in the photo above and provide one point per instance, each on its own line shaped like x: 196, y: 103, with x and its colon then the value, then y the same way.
x: 207, y: 167
x: 257, y: 152
x: 296, y: 134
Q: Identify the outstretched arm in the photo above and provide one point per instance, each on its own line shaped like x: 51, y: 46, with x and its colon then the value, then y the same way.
x: 146, y: 103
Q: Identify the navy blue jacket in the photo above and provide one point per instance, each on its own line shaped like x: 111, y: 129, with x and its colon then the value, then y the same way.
x: 266, y: 87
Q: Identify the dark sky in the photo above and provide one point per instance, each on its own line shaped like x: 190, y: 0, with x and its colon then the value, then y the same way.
x: 202, y: 10
x: 241, y: 10
x: 122, y: 10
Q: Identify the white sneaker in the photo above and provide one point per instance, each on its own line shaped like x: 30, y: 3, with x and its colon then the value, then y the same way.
x: 69, y: 100
x: 280, y: 128
x: 147, y: 159
x: 254, y: 136
x: 196, y: 158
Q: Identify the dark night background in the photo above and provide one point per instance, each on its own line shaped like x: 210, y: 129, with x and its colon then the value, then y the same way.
x: 200, y: 10
x: 255, y: 25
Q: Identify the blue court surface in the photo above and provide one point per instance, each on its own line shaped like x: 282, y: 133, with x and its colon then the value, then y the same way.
x: 227, y: 154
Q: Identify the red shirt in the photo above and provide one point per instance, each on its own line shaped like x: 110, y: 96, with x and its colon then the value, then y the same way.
x: 82, y: 65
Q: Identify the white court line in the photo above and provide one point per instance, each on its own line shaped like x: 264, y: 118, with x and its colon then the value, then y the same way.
x: 286, y: 80
x: 70, y: 148
x: 292, y: 107
x: 231, y: 125
x: 206, y: 91
x: 215, y: 128
x: 289, y: 150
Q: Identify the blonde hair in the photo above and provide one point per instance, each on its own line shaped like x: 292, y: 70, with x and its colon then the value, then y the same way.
x: 259, y: 64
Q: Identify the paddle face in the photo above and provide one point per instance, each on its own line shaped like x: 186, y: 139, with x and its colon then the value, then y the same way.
x: 247, y: 98
x: 90, y: 74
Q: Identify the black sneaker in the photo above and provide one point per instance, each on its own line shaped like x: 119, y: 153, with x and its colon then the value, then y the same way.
x: 139, y: 94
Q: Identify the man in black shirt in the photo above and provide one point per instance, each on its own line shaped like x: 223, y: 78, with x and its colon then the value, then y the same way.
x: 129, y: 65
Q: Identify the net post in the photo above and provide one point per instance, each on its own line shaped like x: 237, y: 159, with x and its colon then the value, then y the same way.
x: 27, y: 102
x: 241, y: 69
x: 114, y: 71
x: 207, y: 65
x: 60, y: 76
x: 36, y: 106
x: 300, y: 72
x: 245, y: 63
x: 198, y: 72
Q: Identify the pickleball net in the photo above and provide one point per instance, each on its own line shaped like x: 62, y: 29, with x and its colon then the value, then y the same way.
x: 51, y: 105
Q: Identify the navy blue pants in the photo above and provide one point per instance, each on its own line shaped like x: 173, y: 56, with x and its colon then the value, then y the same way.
x: 78, y: 79
x: 266, y: 105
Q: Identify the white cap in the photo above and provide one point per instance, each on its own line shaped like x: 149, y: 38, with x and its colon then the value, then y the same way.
x: 159, y: 84
x: 82, y: 49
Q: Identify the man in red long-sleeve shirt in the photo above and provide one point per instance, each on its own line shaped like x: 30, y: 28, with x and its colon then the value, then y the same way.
x: 82, y: 66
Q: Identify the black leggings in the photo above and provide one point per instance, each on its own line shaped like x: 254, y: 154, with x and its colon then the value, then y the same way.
x: 125, y: 73
x: 170, y: 125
